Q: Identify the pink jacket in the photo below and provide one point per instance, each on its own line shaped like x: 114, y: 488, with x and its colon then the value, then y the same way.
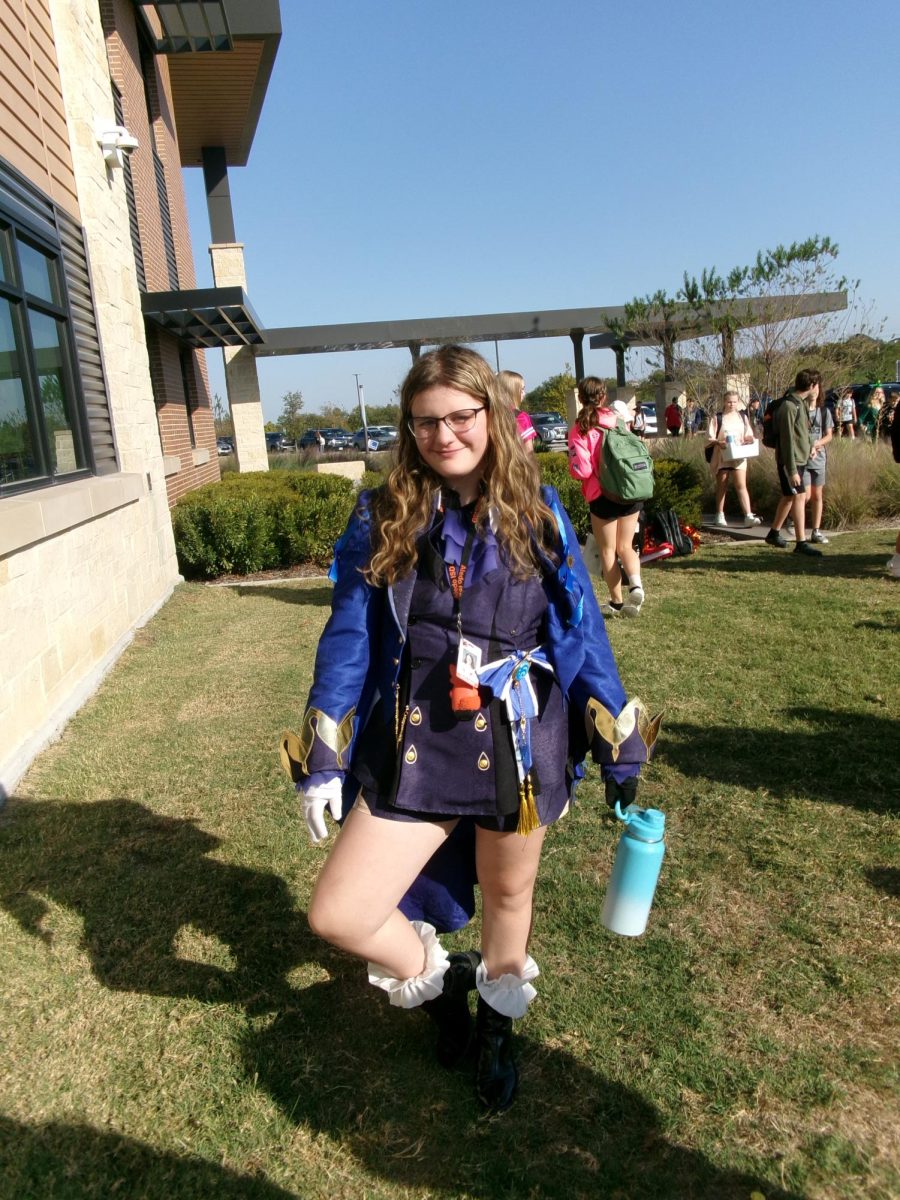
x: 584, y: 453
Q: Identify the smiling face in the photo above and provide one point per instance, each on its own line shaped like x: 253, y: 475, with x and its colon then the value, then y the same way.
x: 458, y: 458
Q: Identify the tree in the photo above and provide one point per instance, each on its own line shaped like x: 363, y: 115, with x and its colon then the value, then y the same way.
x: 552, y: 394
x: 769, y: 339
x: 222, y: 418
x: 289, y: 420
x: 376, y: 414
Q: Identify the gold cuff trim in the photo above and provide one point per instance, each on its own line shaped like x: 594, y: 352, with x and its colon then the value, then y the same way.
x: 616, y: 730
x: 297, y: 747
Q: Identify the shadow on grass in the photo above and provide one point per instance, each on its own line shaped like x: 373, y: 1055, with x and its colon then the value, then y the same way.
x: 136, y: 879
x: 886, y: 879
x: 74, y: 1162
x: 372, y: 1085
x: 335, y: 1058
x: 841, y: 757
x: 785, y: 562
x: 317, y: 597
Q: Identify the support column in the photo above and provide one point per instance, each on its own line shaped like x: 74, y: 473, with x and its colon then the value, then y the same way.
x: 241, y: 379
x: 415, y: 350
x: 577, y: 336
x: 739, y: 382
x: 619, y: 352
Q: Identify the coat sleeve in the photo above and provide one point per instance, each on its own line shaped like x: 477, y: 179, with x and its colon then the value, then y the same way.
x: 618, y: 730
x: 344, y: 657
x: 581, y: 464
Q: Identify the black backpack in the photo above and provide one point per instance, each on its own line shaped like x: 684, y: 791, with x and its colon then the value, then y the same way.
x: 769, y: 436
x: 667, y: 528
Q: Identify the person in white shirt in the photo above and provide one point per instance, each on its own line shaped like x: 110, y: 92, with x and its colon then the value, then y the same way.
x: 731, y: 422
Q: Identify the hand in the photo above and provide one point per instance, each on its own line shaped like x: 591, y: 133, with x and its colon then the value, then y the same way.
x: 315, y: 800
x: 748, y: 438
x: 795, y: 480
x: 623, y: 793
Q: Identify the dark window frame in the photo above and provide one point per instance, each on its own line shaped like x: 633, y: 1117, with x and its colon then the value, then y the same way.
x: 20, y: 224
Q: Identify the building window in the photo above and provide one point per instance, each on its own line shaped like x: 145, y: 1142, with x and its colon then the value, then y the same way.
x: 42, y: 434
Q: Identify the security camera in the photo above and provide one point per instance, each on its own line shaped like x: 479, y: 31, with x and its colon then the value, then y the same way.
x: 116, y: 142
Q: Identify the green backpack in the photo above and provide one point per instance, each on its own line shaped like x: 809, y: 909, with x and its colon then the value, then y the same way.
x: 626, y: 469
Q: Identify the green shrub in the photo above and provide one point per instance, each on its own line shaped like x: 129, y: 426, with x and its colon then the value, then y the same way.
x: 260, y: 520
x: 554, y: 468
x: 678, y: 484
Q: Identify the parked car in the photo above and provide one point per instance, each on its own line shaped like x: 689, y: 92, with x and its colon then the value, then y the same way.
x: 225, y: 445
x: 551, y: 430
x: 277, y: 442
x: 335, y: 439
x: 649, y: 414
x: 381, y: 437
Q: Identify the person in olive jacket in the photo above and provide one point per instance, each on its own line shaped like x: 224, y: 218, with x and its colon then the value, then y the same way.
x: 792, y: 450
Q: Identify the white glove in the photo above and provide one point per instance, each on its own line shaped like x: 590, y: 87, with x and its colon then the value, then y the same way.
x: 315, y: 799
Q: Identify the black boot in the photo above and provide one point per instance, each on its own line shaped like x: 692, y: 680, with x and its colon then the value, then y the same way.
x: 497, y: 1076
x: 450, y: 1011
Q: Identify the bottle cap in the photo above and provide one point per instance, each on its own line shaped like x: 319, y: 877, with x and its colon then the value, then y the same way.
x: 645, y: 824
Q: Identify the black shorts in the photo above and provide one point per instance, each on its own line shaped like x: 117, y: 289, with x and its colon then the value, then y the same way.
x: 787, y: 488
x: 610, y: 510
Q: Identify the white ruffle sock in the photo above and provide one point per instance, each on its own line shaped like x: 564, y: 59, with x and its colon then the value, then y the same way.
x: 428, y: 985
x: 509, y: 995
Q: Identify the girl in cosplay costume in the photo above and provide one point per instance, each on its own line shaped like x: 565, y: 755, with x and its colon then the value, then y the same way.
x: 462, y: 678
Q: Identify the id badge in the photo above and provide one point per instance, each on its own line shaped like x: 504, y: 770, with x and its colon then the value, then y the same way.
x: 468, y: 661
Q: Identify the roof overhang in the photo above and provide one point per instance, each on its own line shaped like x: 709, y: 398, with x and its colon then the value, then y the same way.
x: 206, y: 318
x: 684, y: 322
x: 560, y: 322
x: 220, y: 57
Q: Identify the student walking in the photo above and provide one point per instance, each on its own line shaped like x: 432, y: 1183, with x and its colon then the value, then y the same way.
x: 821, y: 431
x: 614, y: 524
x: 792, y: 451
x: 730, y: 425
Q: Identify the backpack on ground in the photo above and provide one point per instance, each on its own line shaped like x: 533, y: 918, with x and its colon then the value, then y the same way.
x: 626, y: 469
x: 769, y: 435
x: 666, y: 527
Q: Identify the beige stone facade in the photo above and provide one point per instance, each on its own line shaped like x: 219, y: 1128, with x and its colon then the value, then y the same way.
x: 82, y: 563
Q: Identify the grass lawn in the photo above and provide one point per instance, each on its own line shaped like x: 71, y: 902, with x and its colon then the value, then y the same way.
x: 170, y: 1028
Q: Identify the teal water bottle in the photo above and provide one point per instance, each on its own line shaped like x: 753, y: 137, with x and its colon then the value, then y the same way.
x: 635, y: 872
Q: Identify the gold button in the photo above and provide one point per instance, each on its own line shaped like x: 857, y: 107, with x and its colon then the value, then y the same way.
x: 411, y: 755
x: 415, y: 717
x: 480, y: 723
x: 484, y: 763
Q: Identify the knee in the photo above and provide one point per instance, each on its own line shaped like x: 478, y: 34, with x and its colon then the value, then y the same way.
x: 326, y: 919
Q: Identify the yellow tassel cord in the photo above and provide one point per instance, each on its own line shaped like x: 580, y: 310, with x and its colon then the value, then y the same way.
x: 528, y: 814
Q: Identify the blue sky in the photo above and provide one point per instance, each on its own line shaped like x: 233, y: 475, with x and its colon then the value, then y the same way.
x: 424, y: 159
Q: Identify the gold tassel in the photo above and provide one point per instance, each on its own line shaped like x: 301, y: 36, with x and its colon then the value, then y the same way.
x: 528, y: 814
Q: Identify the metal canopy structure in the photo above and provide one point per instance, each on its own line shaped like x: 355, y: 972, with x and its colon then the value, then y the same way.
x: 205, y: 319
x: 431, y: 331
x: 220, y: 56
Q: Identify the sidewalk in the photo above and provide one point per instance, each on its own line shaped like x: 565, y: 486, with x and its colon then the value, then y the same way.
x: 738, y: 533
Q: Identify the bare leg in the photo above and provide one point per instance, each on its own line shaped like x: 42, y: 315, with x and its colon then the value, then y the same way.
x: 605, y: 535
x: 628, y: 556
x: 740, y: 486
x: 371, y: 865
x: 507, y: 866
x: 784, y: 506
x: 815, y: 506
x: 798, y: 512
x: 721, y: 489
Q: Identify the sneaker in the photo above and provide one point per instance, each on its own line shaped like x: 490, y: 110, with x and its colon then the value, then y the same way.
x: 750, y: 520
x: 720, y: 519
x: 807, y: 549
x: 789, y: 523
x: 893, y: 566
x: 776, y: 538
x: 632, y: 605
x: 608, y: 609
x: 818, y: 536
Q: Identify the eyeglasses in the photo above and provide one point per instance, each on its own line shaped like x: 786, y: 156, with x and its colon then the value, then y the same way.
x: 460, y: 421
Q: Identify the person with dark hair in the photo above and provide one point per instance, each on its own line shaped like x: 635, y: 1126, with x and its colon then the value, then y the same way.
x: 614, y: 524
x: 461, y: 679
x: 792, y: 451
x: 821, y: 431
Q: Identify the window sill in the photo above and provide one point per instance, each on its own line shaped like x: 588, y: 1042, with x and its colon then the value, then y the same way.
x: 35, y: 516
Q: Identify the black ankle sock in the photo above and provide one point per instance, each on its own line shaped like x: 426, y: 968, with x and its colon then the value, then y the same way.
x: 613, y: 604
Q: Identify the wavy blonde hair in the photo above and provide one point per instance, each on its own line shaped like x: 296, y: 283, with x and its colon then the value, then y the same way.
x: 403, y: 508
x: 511, y: 384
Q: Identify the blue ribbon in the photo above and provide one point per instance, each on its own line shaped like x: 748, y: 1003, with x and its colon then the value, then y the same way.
x: 508, y: 680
